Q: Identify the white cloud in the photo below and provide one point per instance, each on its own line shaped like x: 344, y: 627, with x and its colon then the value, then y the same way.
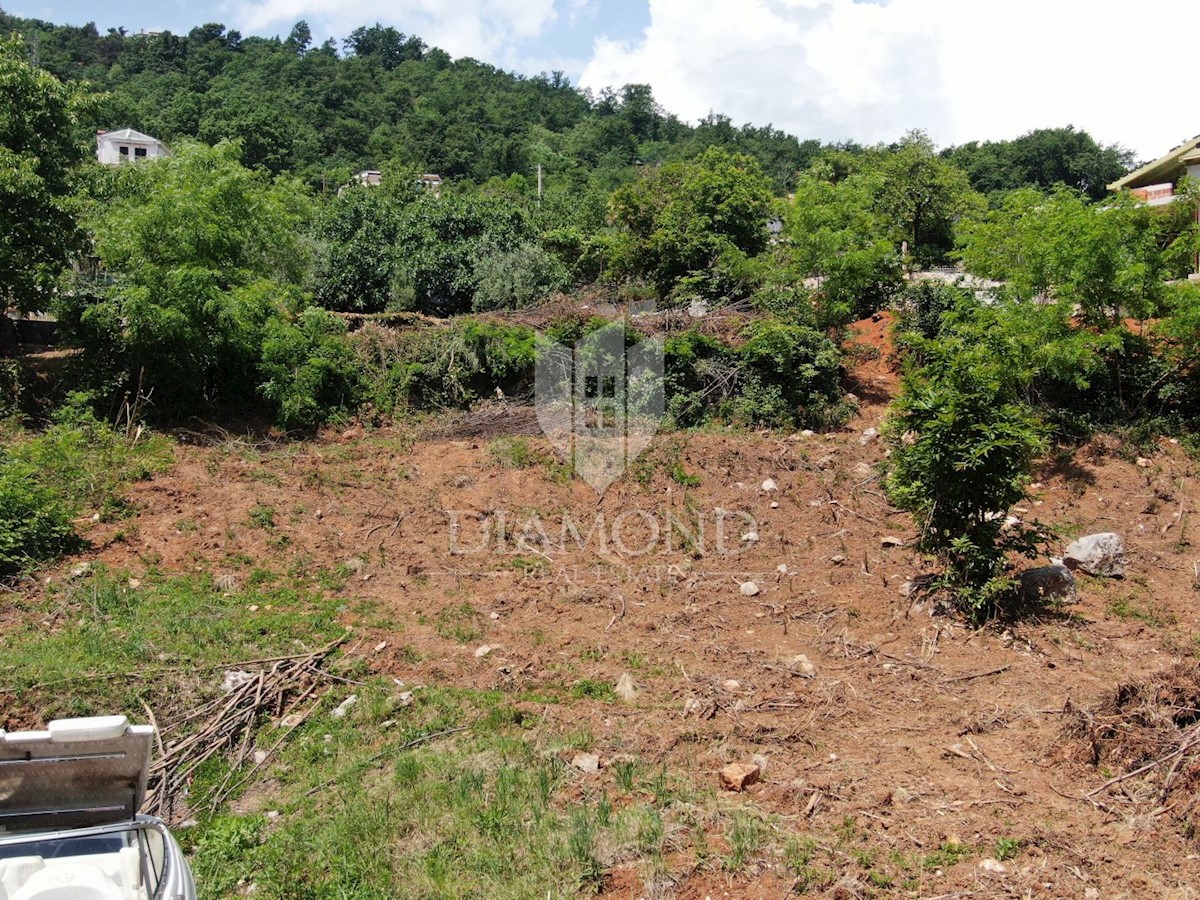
x: 962, y: 69
x: 484, y: 29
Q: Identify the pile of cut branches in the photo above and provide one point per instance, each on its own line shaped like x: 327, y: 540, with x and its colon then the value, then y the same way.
x: 226, y: 725
x: 1149, y: 733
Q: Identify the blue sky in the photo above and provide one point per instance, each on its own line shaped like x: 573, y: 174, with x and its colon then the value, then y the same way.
x: 866, y: 70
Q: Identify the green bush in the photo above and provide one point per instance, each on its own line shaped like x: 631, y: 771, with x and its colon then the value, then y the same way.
x: 516, y: 278
x: 962, y: 448
x: 309, y: 369
x: 35, y: 519
x: 791, y: 377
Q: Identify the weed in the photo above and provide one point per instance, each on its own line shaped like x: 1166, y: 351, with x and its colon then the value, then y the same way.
x: 262, y: 516
x: 462, y: 623
x: 745, y: 840
x: 594, y: 690
x: 1007, y: 848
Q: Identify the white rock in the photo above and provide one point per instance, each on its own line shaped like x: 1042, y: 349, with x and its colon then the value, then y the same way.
x: 588, y: 763
x: 495, y: 616
x: 750, y: 537
x: 994, y: 866
x: 807, y: 432
x: 782, y: 569
x: 800, y: 665
x: 869, y: 435
x: 1143, y: 462
x: 404, y: 698
x: 272, y: 815
x: 1097, y: 554
x: 770, y: 485
x: 381, y: 646
x: 344, y: 707
x: 774, y: 504
x: 731, y: 684
x: 260, y: 757
x: 80, y: 570
x: 482, y: 651
x: 750, y: 589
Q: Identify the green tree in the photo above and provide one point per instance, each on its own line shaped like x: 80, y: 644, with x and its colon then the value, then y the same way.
x: 690, y: 226
x: 38, y: 117
x: 923, y: 196
x: 963, y: 445
x: 834, y: 233
x: 356, y: 264
x: 1104, y: 258
x: 203, y: 252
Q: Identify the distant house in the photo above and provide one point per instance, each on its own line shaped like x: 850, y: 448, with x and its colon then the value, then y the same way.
x: 369, y: 177
x: 127, y: 145
x: 1156, y: 183
x: 432, y: 183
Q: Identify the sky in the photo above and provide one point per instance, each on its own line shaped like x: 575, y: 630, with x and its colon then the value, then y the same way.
x: 863, y: 70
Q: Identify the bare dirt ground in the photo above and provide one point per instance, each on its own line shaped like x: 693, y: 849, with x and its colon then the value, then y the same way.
x: 915, y: 732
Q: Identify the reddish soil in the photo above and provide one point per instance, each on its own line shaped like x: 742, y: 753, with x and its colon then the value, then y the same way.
x: 916, y: 729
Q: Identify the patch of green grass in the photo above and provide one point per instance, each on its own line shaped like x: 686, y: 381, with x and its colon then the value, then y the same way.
x: 680, y: 476
x: 946, y: 855
x: 177, y: 624
x: 1126, y: 607
x: 746, y: 838
x: 262, y: 516
x: 1006, y: 848
x: 520, y: 453
x: 594, y: 690
x: 462, y: 623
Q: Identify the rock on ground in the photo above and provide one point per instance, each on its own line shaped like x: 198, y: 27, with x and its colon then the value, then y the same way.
x: 1097, y: 554
x: 739, y: 776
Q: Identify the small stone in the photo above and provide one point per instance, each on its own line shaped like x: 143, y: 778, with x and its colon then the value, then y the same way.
x: 994, y: 866
x: 750, y: 589
x: 234, y: 679
x: 1097, y: 554
x: 770, y: 485
x: 902, y: 795
x: 187, y: 823
x: 344, y: 707
x: 404, y: 698
x: 891, y: 541
x: 80, y: 570
x: 260, y: 757
x: 782, y: 569
x: 482, y: 651
x: 837, y: 559
x: 494, y: 616
x: 807, y: 432
x: 774, y: 504
x: 1143, y: 462
x: 739, y: 776
x: 253, y: 607
x: 761, y: 761
x: 800, y: 665
x: 868, y: 436
x: 625, y: 688
x: 588, y: 763
x: 135, y: 583
x: 292, y: 720
x: 1091, y: 894
x: 731, y: 685
x: 750, y: 537
x: 356, y: 564
x: 272, y: 815
x: 826, y: 462
x: 381, y: 646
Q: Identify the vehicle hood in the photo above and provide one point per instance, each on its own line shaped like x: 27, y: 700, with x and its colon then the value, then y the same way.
x: 76, y: 773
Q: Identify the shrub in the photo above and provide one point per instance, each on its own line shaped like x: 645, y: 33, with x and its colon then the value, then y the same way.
x: 962, y: 448
x: 35, y: 520
x: 791, y: 376
x: 309, y: 369
x: 517, y: 278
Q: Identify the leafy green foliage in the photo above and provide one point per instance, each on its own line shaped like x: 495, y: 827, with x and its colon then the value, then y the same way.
x: 202, y: 251
x: 309, y: 367
x: 792, y: 376
x: 693, y: 223
x: 440, y: 243
x: 516, y: 278
x: 35, y: 520
x: 1104, y: 258
x: 963, y: 446
x: 38, y: 118
x: 356, y: 264
x: 1043, y: 158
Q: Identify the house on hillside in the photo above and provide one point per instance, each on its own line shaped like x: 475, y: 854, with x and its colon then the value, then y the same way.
x: 127, y: 145
x: 369, y: 177
x: 1156, y: 183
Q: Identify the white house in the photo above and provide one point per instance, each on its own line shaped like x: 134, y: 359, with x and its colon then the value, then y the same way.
x: 127, y: 145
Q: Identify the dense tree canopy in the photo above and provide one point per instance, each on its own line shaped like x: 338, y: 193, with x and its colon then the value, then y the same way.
x: 38, y: 148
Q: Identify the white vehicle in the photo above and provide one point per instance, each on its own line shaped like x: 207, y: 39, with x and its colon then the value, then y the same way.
x: 69, y: 826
